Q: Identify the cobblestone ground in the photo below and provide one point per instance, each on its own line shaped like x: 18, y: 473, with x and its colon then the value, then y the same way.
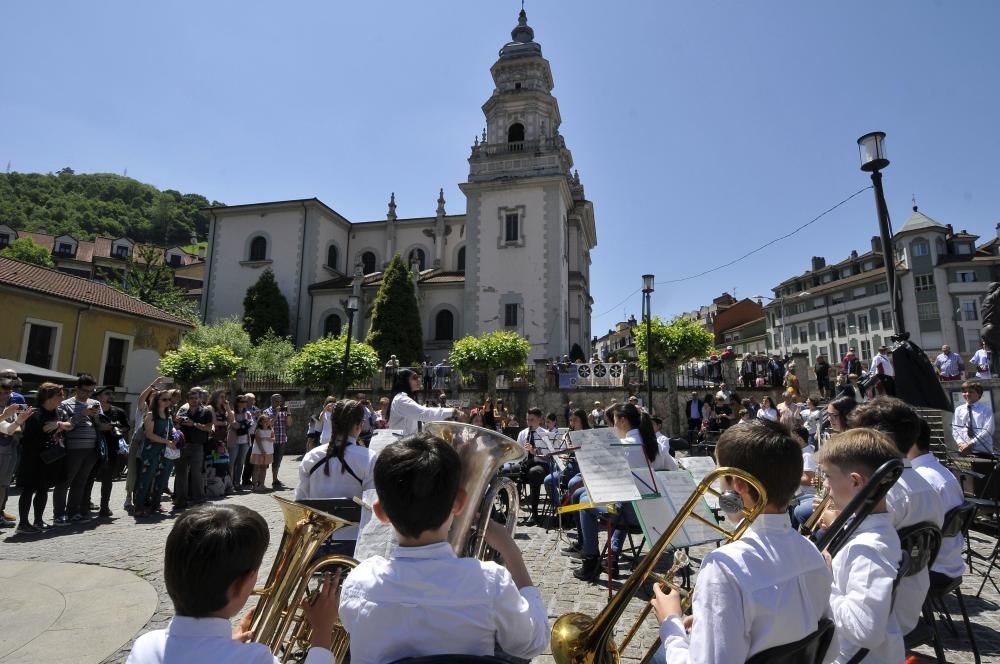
x: 121, y: 543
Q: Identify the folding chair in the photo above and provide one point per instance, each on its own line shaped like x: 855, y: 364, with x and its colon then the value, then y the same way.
x: 809, y: 650
x: 920, y: 544
x: 956, y: 521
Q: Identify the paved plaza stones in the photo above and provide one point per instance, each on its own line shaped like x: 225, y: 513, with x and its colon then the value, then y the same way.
x: 116, y: 569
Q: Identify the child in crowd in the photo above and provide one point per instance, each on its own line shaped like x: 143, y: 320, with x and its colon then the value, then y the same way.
x: 769, y: 588
x: 262, y: 452
x: 213, y: 554
x: 424, y: 600
x: 865, y: 568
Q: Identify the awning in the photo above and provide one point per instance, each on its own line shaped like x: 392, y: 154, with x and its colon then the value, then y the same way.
x: 30, y: 371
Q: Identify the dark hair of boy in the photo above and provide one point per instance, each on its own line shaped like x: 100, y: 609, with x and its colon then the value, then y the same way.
x: 858, y: 450
x: 844, y: 406
x: 923, y: 442
x: 208, y: 549
x: 537, y: 412
x: 48, y: 390
x: 551, y: 417
x: 973, y: 385
x: 891, y: 416
x: 85, y: 380
x: 767, y: 451
x: 417, y: 480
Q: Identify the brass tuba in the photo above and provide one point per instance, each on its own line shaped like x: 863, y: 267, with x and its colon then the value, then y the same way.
x: 579, y: 639
x: 278, y: 621
x: 483, y: 453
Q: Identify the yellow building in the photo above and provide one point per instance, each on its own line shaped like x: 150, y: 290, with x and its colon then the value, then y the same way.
x: 74, y: 325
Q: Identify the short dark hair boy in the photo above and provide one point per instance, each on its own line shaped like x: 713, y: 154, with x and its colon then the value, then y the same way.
x: 767, y: 451
x: 417, y: 480
x: 891, y: 416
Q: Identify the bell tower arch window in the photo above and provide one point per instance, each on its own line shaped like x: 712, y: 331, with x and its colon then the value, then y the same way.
x: 515, y: 137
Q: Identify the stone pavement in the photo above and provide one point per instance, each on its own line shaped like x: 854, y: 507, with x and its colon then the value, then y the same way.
x: 133, y: 554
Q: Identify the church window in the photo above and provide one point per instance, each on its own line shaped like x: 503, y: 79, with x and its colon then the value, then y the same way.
x: 368, y: 262
x: 332, y: 326
x: 331, y: 256
x: 444, y: 326
x: 510, y: 315
x: 258, y: 249
x: 512, y: 231
x: 515, y: 137
x: 419, y: 257
x: 460, y: 263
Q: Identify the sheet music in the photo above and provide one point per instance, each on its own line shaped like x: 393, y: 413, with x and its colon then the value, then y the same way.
x: 656, y: 514
x: 382, y: 438
x: 374, y: 537
x: 605, y: 470
x: 551, y: 443
x: 699, y: 467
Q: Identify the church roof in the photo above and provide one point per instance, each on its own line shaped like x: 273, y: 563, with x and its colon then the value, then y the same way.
x: 522, y: 44
x: 919, y: 221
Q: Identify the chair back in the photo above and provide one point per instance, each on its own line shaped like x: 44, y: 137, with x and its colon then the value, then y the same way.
x: 920, y: 543
x: 452, y: 659
x: 958, y: 519
x: 809, y: 650
x: 342, y: 508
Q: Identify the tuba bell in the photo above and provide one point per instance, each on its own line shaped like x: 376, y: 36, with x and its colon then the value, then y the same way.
x: 278, y: 621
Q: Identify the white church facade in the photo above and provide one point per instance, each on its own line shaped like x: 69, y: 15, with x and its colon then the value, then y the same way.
x: 519, y: 258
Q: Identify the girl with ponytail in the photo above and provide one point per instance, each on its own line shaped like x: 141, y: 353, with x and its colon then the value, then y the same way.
x: 635, y: 428
x: 339, y: 468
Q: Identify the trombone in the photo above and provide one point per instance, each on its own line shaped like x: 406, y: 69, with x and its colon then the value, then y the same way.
x: 881, y: 481
x: 579, y: 639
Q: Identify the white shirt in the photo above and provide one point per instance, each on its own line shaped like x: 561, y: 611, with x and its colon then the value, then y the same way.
x: 949, y: 365
x: 337, y: 484
x: 632, y: 448
x: 861, y: 599
x: 809, y: 465
x: 982, y: 424
x: 424, y: 600
x: 885, y: 363
x: 981, y: 358
x: 911, y: 500
x: 187, y: 640
x: 769, y: 588
x: 949, y: 558
x: 405, y: 413
x: 767, y: 414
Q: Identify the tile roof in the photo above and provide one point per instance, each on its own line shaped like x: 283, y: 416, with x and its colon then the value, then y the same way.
x: 30, y: 277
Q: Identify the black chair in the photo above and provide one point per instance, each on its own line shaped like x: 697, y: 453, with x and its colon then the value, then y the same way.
x: 809, y: 650
x: 920, y: 543
x: 452, y: 659
x: 986, y: 502
x: 342, y: 508
x: 956, y: 522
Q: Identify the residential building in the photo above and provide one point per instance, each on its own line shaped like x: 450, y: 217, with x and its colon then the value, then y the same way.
x: 75, y: 325
x: 518, y: 258
x: 618, y: 343
x: 740, y: 325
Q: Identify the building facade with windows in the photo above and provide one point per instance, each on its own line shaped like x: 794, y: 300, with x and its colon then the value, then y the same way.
x: 518, y: 258
x: 943, y: 276
x: 75, y: 325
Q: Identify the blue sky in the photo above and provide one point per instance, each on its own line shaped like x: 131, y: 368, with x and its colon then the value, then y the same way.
x: 700, y: 129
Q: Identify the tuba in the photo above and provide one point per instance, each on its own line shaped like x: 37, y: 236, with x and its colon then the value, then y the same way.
x: 483, y: 453
x: 579, y: 639
x: 278, y: 621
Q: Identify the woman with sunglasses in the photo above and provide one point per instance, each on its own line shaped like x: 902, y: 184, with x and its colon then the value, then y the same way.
x: 405, y: 413
x: 154, y: 467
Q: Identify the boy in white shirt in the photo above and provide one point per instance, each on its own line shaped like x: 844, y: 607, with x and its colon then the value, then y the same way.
x: 911, y: 500
x: 865, y: 568
x: 767, y: 589
x: 213, y: 554
x: 949, y: 564
x: 424, y: 600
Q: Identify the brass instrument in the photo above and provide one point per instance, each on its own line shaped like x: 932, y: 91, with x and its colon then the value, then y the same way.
x: 579, y: 639
x: 808, y: 527
x: 278, y: 621
x: 871, y: 494
x: 483, y: 453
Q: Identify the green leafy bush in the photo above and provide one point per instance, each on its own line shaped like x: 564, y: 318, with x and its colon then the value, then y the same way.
x: 396, y: 328
x: 25, y: 249
x: 321, y: 362
x: 190, y: 364
x: 502, y: 349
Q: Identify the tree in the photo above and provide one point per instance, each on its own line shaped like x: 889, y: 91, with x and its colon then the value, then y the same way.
x: 265, y: 309
x: 670, y: 345
x: 189, y: 364
x: 321, y: 363
x: 25, y: 249
x: 491, y: 352
x: 396, y: 328
x: 270, y: 354
x: 151, y: 280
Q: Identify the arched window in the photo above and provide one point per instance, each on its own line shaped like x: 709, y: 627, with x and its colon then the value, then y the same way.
x: 460, y: 263
x: 331, y: 256
x: 418, y: 255
x: 258, y: 249
x: 368, y: 262
x: 332, y: 326
x: 516, y: 133
x: 444, y: 326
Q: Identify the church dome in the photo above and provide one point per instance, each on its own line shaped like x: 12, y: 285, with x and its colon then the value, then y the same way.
x: 523, y: 41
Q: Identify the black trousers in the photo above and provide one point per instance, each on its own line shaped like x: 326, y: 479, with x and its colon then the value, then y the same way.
x: 535, y: 473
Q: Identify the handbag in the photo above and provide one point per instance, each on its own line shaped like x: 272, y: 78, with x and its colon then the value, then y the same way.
x: 53, y: 453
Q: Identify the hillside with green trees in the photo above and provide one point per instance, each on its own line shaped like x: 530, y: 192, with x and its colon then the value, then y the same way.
x: 89, y: 204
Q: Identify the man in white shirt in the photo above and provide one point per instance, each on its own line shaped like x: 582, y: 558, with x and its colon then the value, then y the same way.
x: 981, y: 361
x: 972, y: 425
x: 949, y: 563
x: 882, y: 367
x: 535, y: 468
x: 948, y: 364
x: 911, y: 500
x: 767, y: 589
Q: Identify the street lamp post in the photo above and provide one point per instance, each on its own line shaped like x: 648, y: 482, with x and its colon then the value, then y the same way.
x: 873, y: 160
x: 352, y: 307
x: 647, y: 290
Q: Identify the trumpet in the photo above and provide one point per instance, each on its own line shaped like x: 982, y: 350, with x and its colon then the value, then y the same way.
x: 580, y: 639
